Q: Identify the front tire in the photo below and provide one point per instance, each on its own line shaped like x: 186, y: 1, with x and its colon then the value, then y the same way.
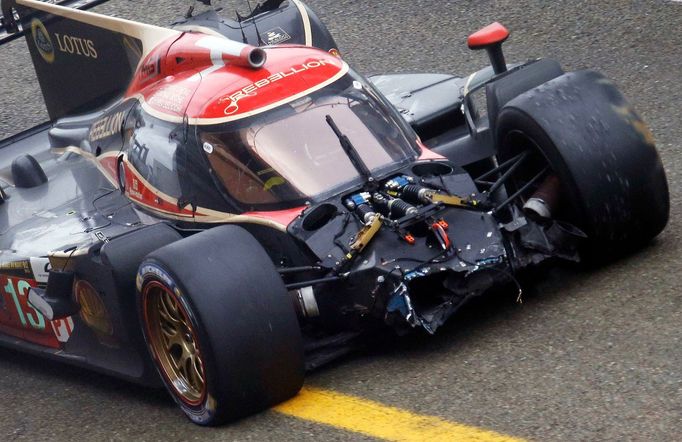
x: 581, y: 127
x: 220, y: 325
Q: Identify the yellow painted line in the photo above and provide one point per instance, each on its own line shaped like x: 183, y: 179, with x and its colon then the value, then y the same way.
x: 377, y: 420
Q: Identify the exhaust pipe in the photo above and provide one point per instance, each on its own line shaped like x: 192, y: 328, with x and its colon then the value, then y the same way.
x: 233, y: 52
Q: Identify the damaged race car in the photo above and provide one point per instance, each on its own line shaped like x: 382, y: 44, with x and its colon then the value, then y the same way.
x: 220, y: 205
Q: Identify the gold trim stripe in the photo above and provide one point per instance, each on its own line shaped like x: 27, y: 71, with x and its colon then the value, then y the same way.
x: 89, y: 156
x: 307, y: 28
x: 202, y: 214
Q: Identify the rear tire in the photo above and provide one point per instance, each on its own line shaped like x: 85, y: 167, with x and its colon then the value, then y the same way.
x: 220, y: 325
x: 613, y: 184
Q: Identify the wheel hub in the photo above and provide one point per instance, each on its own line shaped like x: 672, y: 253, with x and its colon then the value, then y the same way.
x: 173, y: 341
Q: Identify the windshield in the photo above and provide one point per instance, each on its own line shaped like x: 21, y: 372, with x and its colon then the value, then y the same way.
x: 291, y: 154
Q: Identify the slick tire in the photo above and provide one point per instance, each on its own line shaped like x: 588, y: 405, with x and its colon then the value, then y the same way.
x: 613, y: 184
x: 219, y: 325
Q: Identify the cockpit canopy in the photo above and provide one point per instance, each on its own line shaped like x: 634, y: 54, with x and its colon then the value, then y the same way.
x: 276, y: 158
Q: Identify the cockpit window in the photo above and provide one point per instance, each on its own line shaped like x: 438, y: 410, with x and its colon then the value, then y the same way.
x: 166, y: 155
x: 153, y: 148
x: 247, y: 180
x: 290, y: 153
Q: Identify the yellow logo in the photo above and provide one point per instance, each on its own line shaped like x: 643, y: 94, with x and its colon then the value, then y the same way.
x: 42, y: 40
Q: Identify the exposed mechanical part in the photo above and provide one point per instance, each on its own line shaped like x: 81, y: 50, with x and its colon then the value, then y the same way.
x: 361, y: 204
x: 395, y: 186
x: 545, y: 200
x: 305, y: 302
x: 365, y: 235
x: 441, y: 235
x: 404, y: 187
x: 450, y: 200
x: 393, y: 207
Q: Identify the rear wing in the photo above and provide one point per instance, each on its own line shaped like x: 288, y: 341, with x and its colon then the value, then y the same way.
x: 83, y: 60
x: 12, y: 26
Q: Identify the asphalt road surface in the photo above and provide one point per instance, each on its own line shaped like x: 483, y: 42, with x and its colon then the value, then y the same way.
x: 587, y: 356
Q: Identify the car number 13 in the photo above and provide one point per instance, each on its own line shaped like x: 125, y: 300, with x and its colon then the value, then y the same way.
x: 28, y: 316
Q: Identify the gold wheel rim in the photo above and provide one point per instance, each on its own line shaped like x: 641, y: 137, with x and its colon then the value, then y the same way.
x: 174, y: 343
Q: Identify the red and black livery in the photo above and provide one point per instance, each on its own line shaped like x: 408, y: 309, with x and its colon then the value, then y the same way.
x: 220, y: 205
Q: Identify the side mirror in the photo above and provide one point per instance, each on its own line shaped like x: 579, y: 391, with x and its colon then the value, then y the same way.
x: 491, y: 38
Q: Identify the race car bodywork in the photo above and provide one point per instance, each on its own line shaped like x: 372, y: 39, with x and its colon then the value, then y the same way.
x: 220, y: 204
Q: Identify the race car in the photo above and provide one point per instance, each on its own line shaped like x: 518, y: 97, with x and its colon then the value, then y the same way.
x: 221, y: 205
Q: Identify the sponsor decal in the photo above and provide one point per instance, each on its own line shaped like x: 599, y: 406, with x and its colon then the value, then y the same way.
x: 76, y: 45
x: 107, y: 126
x: 14, y: 266
x: 159, y: 273
x: 275, y: 36
x: 171, y: 98
x: 251, y: 90
x: 93, y: 311
x: 135, y: 190
x: 63, y: 329
x: 42, y: 40
x: 41, y: 269
x: 150, y: 69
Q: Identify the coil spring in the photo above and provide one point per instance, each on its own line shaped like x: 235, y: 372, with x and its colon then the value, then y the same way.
x: 400, y: 208
x: 411, y: 193
x: 364, y: 211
